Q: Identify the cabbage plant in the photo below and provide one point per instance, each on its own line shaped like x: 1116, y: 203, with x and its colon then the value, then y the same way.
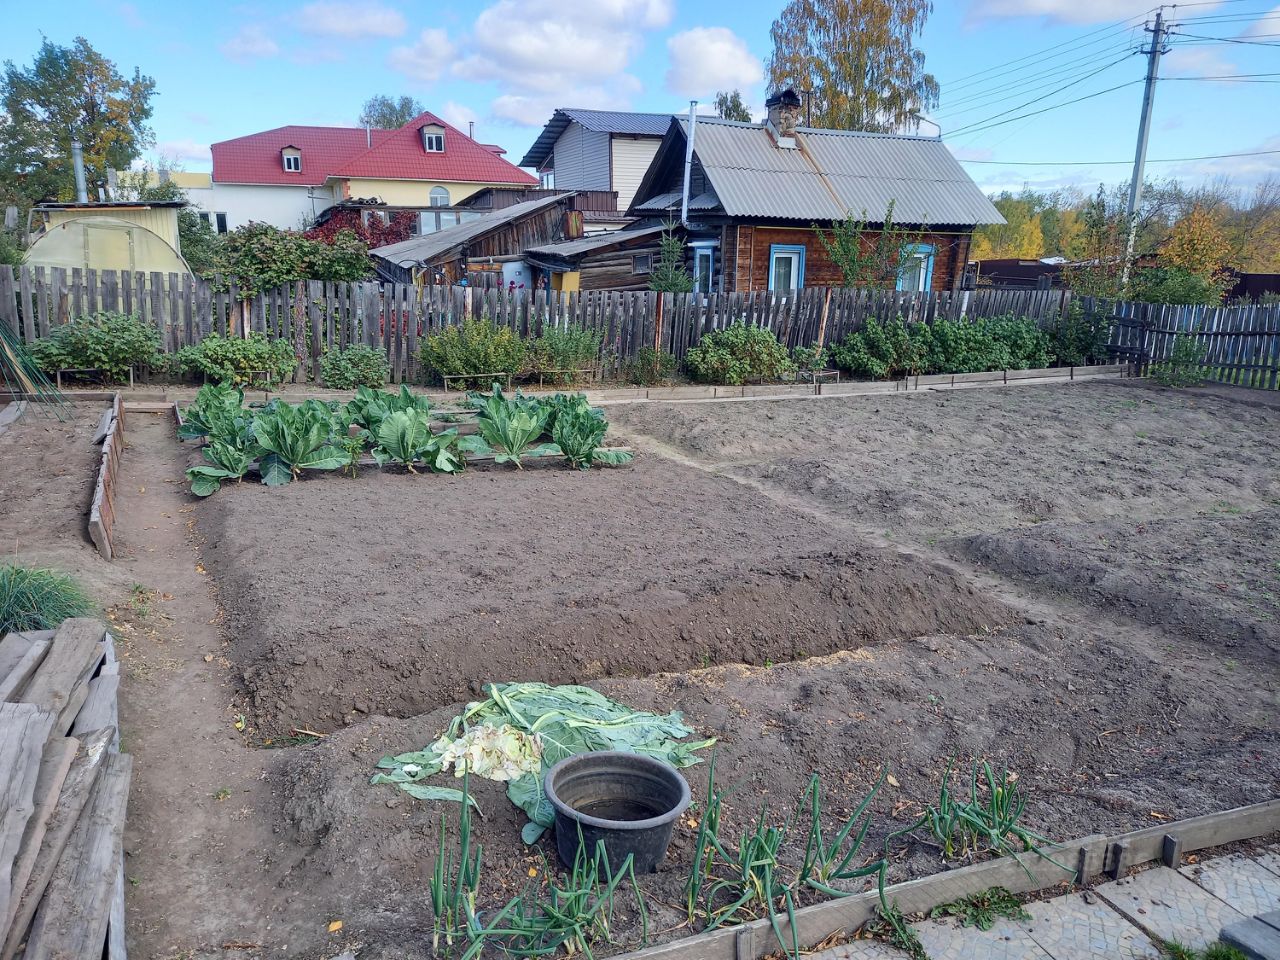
x: 296, y: 438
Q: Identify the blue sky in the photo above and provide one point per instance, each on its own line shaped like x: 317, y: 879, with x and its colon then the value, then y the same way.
x: 223, y: 70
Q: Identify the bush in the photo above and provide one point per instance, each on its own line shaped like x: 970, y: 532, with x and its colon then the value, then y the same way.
x: 649, y: 367
x: 897, y: 349
x: 565, y: 348
x: 112, y: 342
x: 474, y: 349
x: 1173, y: 285
x: 1078, y: 338
x: 357, y: 366
x: 235, y: 359
x: 880, y: 351
x: 1183, y: 368
x: 34, y: 599
x: 739, y: 353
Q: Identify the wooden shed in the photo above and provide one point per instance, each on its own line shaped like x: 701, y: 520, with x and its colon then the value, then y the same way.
x: 617, y: 260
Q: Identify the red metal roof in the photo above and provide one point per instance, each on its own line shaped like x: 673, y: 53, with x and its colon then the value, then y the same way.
x: 345, y: 152
x: 402, y: 157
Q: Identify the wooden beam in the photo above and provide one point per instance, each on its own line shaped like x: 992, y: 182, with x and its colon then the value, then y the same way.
x: 76, y: 788
x: 15, y: 680
x: 72, y: 918
x: 76, y: 648
x: 26, y: 731
x: 54, y: 767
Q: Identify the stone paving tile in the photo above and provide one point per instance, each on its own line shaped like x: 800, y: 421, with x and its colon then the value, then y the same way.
x: 1072, y: 928
x: 947, y: 940
x: 1269, y: 857
x: 1170, y: 906
x: 861, y: 950
x: 1249, y: 887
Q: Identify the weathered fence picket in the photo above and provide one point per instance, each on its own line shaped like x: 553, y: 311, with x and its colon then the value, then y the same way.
x: 1241, y: 343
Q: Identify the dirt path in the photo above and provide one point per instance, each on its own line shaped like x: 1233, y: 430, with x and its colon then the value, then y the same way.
x: 195, y: 854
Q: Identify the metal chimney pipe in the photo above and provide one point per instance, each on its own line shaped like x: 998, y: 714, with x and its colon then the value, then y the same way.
x: 471, y: 129
x: 688, y: 163
x: 77, y: 161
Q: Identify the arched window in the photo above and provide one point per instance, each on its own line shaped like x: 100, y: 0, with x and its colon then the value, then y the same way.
x: 439, y: 196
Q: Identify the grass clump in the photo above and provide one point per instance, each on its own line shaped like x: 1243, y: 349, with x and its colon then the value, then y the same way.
x: 38, y: 599
x: 1215, y: 951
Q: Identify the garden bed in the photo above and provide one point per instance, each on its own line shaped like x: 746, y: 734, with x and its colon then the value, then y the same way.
x: 733, y: 573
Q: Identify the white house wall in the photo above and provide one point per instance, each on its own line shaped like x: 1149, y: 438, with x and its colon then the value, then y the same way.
x: 631, y: 158
x: 582, y: 159
x: 286, y: 207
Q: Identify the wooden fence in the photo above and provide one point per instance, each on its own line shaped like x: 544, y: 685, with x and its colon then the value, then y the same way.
x: 316, y: 316
x: 1241, y: 344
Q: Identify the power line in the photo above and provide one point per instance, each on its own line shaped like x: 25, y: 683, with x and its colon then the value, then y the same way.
x: 1116, y: 28
x: 983, y: 125
x: 1100, y: 163
x: 1045, y: 96
x: 1196, y: 36
x: 1050, y: 76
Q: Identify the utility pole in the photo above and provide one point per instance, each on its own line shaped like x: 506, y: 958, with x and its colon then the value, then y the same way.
x: 1158, y: 34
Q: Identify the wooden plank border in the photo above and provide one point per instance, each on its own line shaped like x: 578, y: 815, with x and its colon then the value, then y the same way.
x: 1089, y: 858
x: 102, y: 511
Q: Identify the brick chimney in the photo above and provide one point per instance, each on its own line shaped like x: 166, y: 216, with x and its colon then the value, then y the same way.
x: 784, y: 116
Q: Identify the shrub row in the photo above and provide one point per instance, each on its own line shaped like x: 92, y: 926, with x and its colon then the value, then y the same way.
x: 478, y: 349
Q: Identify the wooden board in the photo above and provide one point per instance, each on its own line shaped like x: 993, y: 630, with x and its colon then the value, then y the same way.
x: 76, y: 648
x: 26, y: 730
x: 72, y: 918
x: 76, y: 789
x: 99, y: 708
x: 14, y: 682
x: 54, y: 766
x: 12, y: 650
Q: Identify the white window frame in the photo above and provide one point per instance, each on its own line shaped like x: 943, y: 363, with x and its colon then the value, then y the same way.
x: 704, y: 250
x: 289, y: 160
x: 430, y: 141
x: 433, y: 197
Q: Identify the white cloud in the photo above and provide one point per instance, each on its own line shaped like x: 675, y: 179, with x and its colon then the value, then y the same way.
x: 352, y: 20
x: 249, y: 43
x: 425, y: 59
x: 1186, y: 61
x: 564, y: 53
x: 707, y: 59
x: 1065, y: 11
x: 458, y: 114
x: 1265, y: 24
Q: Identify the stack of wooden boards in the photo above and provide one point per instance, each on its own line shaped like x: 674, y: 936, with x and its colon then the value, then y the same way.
x: 64, y: 785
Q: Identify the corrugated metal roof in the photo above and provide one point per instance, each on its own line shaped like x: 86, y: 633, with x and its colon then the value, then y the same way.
x: 417, y: 250
x: 600, y: 121
x: 671, y: 201
x: 834, y: 173
x: 574, y: 248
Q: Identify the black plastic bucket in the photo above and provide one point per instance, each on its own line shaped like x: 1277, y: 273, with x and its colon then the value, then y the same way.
x: 628, y: 800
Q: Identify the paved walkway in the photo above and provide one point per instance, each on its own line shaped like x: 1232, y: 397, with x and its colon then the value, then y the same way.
x: 1121, y: 920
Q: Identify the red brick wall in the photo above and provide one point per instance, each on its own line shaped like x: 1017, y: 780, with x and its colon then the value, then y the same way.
x: 750, y: 258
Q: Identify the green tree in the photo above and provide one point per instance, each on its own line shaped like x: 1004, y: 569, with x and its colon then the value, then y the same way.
x: 68, y: 92
x: 670, y: 274
x: 730, y: 106
x: 858, y: 57
x: 385, y: 113
x: 866, y: 254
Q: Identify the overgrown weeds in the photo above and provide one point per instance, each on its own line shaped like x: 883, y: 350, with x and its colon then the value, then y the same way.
x: 983, y: 909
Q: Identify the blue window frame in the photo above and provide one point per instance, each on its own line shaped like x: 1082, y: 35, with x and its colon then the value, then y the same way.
x: 704, y: 265
x: 915, y: 267
x: 786, y: 266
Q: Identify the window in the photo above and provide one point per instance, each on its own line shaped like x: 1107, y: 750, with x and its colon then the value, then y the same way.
x: 915, y: 267
x: 221, y: 221
x: 433, y: 138
x: 642, y: 263
x: 786, y: 266
x: 548, y: 179
x: 439, y: 197
x: 292, y: 162
x: 206, y: 217
x: 704, y: 265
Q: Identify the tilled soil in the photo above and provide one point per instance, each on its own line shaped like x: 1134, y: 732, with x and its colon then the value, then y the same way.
x: 925, y: 466
x: 737, y: 572
x: 1213, y: 578
x: 395, y: 594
